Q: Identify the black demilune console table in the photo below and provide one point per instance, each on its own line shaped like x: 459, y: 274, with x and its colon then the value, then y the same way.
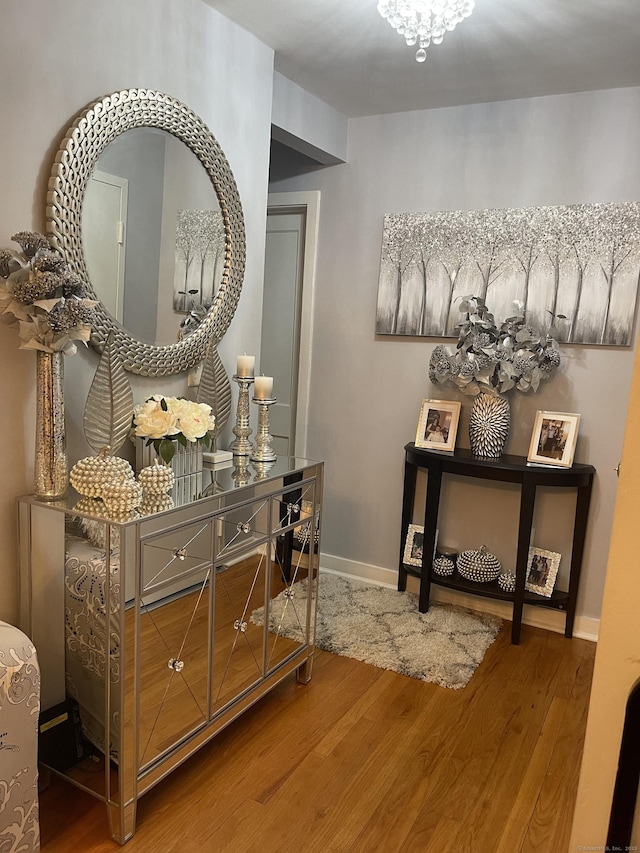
x: 509, y: 469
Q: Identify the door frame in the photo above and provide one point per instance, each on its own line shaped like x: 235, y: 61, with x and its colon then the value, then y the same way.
x: 121, y: 184
x: 310, y: 202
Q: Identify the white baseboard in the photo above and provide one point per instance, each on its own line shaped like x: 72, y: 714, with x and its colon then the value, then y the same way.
x: 585, y: 627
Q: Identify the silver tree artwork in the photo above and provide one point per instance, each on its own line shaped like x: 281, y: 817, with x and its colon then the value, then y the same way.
x: 580, y: 262
x: 200, y: 249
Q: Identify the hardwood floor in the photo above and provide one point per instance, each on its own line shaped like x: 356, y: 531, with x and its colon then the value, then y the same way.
x: 366, y: 760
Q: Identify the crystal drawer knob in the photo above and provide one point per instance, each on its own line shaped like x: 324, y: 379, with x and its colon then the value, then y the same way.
x: 176, y: 665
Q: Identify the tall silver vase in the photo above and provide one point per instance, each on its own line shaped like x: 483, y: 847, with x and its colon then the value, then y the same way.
x: 489, y: 425
x: 51, y: 475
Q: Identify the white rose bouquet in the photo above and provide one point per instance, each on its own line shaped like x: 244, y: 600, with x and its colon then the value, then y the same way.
x: 165, y: 420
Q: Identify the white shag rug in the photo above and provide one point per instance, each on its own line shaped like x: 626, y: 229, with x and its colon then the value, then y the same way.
x: 383, y: 627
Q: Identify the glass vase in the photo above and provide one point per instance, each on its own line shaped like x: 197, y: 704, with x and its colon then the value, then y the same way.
x: 50, y: 472
x: 186, y: 465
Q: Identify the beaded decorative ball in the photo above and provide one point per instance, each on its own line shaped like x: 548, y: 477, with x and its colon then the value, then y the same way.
x: 90, y: 476
x: 155, y: 503
x: 156, y: 479
x: 95, y: 530
x: 443, y: 566
x: 479, y: 565
x: 122, y: 495
x: 507, y: 582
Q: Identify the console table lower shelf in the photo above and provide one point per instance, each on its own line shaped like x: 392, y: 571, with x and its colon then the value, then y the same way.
x: 508, y: 469
x: 559, y: 599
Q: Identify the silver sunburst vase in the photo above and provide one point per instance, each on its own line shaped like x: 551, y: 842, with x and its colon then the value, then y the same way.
x: 489, y: 425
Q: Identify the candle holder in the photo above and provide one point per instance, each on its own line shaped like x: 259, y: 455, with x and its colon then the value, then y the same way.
x: 262, y: 469
x: 242, y: 446
x: 241, y: 474
x: 263, y: 451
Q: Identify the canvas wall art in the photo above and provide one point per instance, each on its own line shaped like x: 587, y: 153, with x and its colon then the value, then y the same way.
x: 579, y: 261
x: 199, y: 258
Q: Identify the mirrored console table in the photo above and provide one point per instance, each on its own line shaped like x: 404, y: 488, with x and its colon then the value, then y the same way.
x: 156, y: 631
x: 507, y: 469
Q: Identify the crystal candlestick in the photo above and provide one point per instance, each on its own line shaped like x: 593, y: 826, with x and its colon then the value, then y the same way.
x: 263, y: 452
x: 242, y: 446
x: 241, y: 474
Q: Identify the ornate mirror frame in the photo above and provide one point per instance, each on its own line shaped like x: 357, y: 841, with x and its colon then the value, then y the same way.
x: 83, y: 144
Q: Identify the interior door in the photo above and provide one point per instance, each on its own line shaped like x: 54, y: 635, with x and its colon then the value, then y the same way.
x: 279, y: 354
x: 104, y: 218
x: 287, y: 324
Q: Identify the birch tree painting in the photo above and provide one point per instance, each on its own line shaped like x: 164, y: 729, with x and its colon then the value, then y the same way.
x: 200, y: 251
x: 579, y: 261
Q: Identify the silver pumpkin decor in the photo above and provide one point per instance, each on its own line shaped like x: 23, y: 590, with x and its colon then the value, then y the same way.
x: 479, y: 566
x: 489, y: 425
x: 507, y: 582
x: 443, y: 566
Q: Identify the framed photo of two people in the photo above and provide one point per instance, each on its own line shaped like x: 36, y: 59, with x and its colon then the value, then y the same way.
x: 542, y: 571
x: 553, y: 441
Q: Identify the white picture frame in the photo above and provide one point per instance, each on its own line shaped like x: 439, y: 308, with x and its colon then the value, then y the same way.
x: 542, y: 571
x: 553, y: 440
x: 414, y: 545
x: 438, y: 425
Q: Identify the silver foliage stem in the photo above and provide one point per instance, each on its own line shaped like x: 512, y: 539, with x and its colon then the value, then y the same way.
x: 215, y: 390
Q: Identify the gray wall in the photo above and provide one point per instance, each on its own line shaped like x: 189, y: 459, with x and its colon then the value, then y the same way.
x: 366, y: 391
x: 306, y: 123
x: 59, y: 57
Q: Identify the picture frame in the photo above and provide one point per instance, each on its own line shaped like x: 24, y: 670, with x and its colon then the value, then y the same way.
x: 414, y: 544
x: 542, y: 571
x: 438, y: 425
x: 553, y: 441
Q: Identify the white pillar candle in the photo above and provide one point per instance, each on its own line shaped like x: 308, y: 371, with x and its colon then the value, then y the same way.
x: 245, y: 365
x: 263, y: 388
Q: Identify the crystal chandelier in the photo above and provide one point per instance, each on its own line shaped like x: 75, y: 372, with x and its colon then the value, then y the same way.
x: 424, y: 22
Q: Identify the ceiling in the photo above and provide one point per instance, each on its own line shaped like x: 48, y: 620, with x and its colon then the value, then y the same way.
x: 343, y: 51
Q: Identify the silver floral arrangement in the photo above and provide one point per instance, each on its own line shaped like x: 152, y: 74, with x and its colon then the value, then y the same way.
x: 495, y: 360
x: 50, y: 302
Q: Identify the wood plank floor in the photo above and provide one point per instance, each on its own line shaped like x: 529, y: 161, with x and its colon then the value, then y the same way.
x: 366, y: 760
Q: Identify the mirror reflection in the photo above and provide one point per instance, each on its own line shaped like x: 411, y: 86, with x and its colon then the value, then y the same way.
x: 153, y: 235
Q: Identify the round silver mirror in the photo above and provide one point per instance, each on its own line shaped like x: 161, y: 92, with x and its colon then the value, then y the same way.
x: 204, y: 264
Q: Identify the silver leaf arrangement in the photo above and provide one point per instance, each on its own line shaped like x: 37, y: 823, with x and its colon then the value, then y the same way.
x: 109, y: 408
x: 215, y: 389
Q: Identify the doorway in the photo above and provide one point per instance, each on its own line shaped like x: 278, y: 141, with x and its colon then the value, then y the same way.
x: 287, y: 314
x: 104, y: 223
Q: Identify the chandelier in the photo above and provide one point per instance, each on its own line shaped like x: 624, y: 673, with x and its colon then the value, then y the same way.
x: 424, y: 22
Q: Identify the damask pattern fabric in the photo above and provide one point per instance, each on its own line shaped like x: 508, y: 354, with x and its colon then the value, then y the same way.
x: 19, y: 712
x: 88, y: 636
